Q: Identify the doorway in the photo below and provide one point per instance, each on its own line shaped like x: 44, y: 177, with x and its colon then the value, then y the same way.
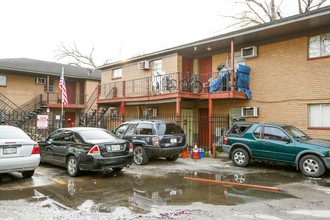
x: 205, y: 69
x: 69, y: 119
x: 203, y: 118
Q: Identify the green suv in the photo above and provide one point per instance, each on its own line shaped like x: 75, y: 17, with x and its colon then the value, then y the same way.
x: 245, y: 141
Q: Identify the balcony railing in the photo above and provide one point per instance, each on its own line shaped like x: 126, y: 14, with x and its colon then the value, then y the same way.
x: 168, y: 83
x: 56, y: 98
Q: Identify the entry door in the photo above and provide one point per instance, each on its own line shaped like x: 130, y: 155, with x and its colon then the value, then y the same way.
x: 186, y: 68
x: 205, y: 69
x: 71, y: 92
x: 204, y: 127
x: 187, y: 121
x: 69, y: 119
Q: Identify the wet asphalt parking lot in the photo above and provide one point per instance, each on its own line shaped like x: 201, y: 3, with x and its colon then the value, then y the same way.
x: 186, y: 188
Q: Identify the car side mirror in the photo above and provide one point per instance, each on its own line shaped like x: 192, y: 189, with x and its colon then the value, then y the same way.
x: 286, y: 139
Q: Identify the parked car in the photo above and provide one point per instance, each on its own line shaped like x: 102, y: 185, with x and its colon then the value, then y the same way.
x: 86, y: 149
x: 280, y: 143
x: 18, y: 152
x: 153, y: 138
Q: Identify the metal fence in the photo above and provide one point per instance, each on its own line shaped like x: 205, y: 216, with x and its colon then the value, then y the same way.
x: 203, y: 130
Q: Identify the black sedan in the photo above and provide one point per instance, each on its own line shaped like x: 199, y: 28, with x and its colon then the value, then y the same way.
x: 86, y: 149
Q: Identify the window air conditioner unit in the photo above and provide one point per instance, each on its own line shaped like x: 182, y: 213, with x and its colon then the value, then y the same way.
x: 249, y: 52
x: 249, y: 112
x: 40, y: 80
x: 150, y: 112
x: 144, y: 65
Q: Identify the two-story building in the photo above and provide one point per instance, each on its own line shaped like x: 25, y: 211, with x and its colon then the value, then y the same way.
x: 286, y: 79
x: 30, y: 87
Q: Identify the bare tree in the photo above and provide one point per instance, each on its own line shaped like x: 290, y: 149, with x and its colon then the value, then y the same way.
x: 308, y: 5
x: 74, y: 56
x: 259, y: 12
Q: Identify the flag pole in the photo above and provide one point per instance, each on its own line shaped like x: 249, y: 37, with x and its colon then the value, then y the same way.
x: 62, y: 102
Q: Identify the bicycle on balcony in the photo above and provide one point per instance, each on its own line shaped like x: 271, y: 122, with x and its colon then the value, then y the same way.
x: 191, y: 84
x: 163, y: 83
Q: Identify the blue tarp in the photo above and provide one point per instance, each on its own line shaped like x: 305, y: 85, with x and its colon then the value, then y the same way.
x: 243, y: 80
x: 217, y: 82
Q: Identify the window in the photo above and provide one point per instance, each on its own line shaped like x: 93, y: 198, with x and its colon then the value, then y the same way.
x: 319, y: 116
x: 121, y: 130
x: 40, y: 80
x: 3, y: 80
x: 276, y: 134
x: 257, y: 132
x: 144, y: 129
x: 157, y: 67
x: 239, y: 129
x: 319, y: 46
x: 117, y: 73
x: 51, y: 86
x: 55, y: 136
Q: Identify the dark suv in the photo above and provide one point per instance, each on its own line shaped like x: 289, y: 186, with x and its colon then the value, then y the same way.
x: 153, y: 138
x: 280, y: 143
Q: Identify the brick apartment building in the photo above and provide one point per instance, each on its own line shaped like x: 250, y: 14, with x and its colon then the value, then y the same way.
x: 29, y: 87
x: 289, y: 76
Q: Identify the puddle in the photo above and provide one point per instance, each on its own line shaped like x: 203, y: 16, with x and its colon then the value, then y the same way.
x: 104, y: 193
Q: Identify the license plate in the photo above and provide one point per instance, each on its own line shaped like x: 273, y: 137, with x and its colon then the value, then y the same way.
x: 114, y: 147
x: 173, y: 140
x: 9, y: 150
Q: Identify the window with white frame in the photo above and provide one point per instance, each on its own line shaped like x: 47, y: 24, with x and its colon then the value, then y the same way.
x: 319, y: 116
x: 319, y: 45
x: 157, y: 67
x: 3, y: 80
x: 117, y: 73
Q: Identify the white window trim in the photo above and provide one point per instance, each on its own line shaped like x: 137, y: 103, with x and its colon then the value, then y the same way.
x: 319, y: 116
x: 319, y: 46
x: 117, y: 73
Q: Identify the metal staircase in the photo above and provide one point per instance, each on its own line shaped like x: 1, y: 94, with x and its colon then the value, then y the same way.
x: 89, y: 115
x: 12, y: 114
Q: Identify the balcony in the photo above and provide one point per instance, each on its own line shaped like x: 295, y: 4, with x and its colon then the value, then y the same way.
x: 55, y: 100
x: 184, y: 85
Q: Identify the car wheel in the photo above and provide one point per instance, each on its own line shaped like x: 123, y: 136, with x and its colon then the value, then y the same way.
x: 117, y: 169
x: 27, y: 174
x: 173, y: 158
x: 140, y: 156
x: 73, y: 166
x: 311, y: 165
x: 240, y: 157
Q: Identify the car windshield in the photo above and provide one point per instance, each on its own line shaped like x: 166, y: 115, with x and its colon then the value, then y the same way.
x: 96, y: 135
x: 296, y: 133
x: 13, y: 134
x: 169, y: 128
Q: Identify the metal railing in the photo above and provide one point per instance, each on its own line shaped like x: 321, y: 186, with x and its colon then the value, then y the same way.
x: 56, y: 98
x: 144, y: 86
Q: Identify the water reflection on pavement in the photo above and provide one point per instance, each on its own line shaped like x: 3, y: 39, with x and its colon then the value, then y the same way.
x: 105, y: 192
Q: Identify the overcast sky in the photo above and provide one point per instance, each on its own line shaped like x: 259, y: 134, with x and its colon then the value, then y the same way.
x: 116, y: 28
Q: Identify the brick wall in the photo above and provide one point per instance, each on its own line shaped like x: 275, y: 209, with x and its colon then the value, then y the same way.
x: 283, y: 82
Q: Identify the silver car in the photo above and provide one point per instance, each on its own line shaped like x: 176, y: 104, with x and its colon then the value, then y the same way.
x: 18, y: 152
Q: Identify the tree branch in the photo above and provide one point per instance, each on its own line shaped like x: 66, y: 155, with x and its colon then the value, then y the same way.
x: 75, y: 56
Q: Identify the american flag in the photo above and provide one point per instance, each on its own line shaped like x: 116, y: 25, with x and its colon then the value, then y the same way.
x: 63, y: 89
